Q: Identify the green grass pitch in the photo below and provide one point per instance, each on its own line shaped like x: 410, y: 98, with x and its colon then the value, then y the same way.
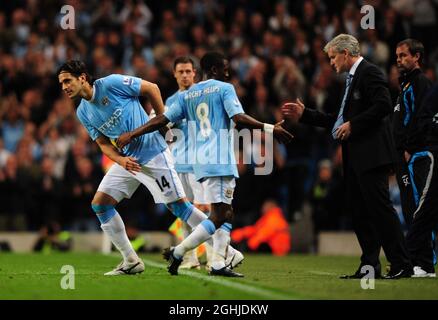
x: 36, y: 276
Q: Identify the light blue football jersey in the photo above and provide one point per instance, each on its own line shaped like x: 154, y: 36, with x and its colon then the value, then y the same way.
x: 180, y: 148
x: 115, y: 109
x: 208, y: 107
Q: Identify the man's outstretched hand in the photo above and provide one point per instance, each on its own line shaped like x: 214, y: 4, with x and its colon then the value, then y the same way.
x: 293, y: 110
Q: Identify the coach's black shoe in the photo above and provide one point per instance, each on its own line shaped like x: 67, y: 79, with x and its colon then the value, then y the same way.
x: 174, y: 263
x: 359, y: 275
x: 399, y: 273
x: 226, y: 272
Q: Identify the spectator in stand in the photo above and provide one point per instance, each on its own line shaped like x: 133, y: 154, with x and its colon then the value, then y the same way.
x: 4, y: 154
x: 82, y: 190
x: 12, y: 126
x: 12, y: 195
x: 51, y: 238
x: 50, y: 191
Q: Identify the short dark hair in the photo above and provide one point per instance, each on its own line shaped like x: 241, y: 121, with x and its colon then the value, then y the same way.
x: 414, y: 47
x: 212, y: 59
x: 75, y: 68
x: 183, y: 59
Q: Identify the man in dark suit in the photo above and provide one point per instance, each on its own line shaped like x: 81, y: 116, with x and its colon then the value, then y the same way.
x: 362, y: 128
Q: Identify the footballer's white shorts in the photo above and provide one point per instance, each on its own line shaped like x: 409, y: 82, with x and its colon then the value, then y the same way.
x: 193, y: 189
x: 219, y: 189
x: 158, y: 175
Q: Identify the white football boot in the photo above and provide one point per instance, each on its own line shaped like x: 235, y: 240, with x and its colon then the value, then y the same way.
x: 234, y: 259
x: 127, y: 268
x: 190, y: 261
x: 420, y: 273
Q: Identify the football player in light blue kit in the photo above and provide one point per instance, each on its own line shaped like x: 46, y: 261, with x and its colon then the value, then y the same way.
x: 184, y: 73
x: 108, y: 107
x: 211, y: 105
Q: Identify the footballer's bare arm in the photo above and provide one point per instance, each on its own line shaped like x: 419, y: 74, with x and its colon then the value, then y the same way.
x: 153, y: 124
x: 108, y: 149
x: 246, y: 121
x: 152, y: 91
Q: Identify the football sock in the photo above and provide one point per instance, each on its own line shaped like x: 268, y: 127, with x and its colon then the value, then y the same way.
x: 209, y: 250
x: 230, y: 251
x: 201, y: 233
x: 186, y: 229
x: 221, y: 240
x: 114, y: 228
x: 196, y: 217
x: 191, y: 254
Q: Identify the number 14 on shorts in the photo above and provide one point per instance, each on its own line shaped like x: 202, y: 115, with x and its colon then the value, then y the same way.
x: 164, y: 183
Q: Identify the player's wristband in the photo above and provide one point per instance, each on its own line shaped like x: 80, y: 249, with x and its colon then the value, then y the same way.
x: 269, y: 128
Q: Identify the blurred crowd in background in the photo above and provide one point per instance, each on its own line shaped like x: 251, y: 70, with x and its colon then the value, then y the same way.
x: 49, y: 167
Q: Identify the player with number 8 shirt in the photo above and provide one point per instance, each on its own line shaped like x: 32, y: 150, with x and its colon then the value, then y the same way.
x: 213, y: 106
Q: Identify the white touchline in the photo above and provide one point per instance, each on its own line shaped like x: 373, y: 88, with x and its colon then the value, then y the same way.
x: 226, y: 283
x: 322, y: 273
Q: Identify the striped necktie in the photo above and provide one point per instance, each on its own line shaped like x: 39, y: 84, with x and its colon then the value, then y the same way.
x: 340, y: 119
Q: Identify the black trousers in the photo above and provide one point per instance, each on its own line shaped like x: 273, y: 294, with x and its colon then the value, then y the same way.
x: 375, y: 220
x: 424, y: 176
x: 406, y: 191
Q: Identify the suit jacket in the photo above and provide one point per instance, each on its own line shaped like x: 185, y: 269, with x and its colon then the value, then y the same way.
x: 367, y: 107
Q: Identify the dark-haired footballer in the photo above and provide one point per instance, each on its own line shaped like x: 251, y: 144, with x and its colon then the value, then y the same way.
x: 110, y: 106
